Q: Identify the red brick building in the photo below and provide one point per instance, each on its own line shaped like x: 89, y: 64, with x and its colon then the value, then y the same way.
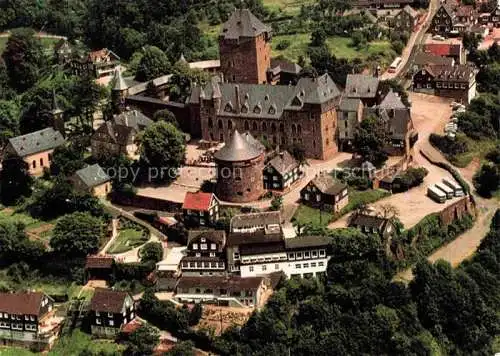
x: 278, y: 114
x: 239, y: 170
x: 245, y: 49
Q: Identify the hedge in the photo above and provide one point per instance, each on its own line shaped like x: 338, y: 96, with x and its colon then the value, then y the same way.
x: 449, y: 168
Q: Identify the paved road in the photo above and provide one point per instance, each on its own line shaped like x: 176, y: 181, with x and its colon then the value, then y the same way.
x: 414, y: 42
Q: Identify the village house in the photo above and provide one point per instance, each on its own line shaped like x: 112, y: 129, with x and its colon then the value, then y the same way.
x: 252, y: 222
x: 232, y: 291
x: 109, y: 311
x: 200, y: 209
x: 100, y: 64
x: 111, y: 139
x: 205, y: 253
x: 283, y: 72
x: 63, y: 51
x: 363, y: 87
x: 325, y: 193
x: 134, y: 119
x: 350, y: 114
x: 281, y: 172
x: 453, y: 19
x: 92, y: 180
x: 397, y: 117
x: 405, y: 20
x: 422, y: 59
x: 451, y: 48
x: 28, y: 319
x: 372, y: 224
x: 490, y: 18
x: 99, y: 267
x: 457, y: 82
x: 35, y: 149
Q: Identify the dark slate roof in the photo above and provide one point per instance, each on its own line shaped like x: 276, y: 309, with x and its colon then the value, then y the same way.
x: 306, y: 242
x: 392, y: 101
x: 370, y: 221
x: 458, y: 73
x: 118, y: 134
x: 397, y: 120
x: 327, y: 185
x: 38, y: 141
x: 237, y: 149
x: 133, y: 118
x: 108, y: 301
x: 92, y: 175
x: 264, y: 100
x: 99, y: 262
x: 242, y: 23
x: 283, y: 162
x: 256, y: 219
x: 215, y: 236
x: 258, y: 237
x: 257, y: 249
x: 285, y: 66
x: 361, y: 86
x: 21, y: 303
x: 230, y: 283
x: 423, y: 58
x: 349, y: 104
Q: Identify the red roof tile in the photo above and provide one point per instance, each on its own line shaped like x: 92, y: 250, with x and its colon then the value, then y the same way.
x: 438, y: 49
x: 21, y: 303
x: 197, y: 201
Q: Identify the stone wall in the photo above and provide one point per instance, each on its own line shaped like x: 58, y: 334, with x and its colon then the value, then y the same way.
x: 457, y: 210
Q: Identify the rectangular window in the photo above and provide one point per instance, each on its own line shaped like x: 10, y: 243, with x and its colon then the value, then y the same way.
x: 297, y: 265
x: 314, y: 253
x: 110, y: 315
x: 313, y: 264
x: 97, y: 313
x: 212, y: 254
x: 236, y: 255
x: 204, y: 246
x: 321, y: 253
x: 291, y: 256
x: 306, y: 254
x: 213, y: 246
x: 306, y: 265
x: 111, y: 323
x: 98, y: 321
x: 299, y: 255
x: 264, y: 267
x: 321, y: 264
x: 195, y: 246
x: 250, y: 268
x: 276, y: 266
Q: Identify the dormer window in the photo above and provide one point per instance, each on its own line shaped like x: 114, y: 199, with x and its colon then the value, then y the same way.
x: 272, y: 110
x: 266, y: 98
x: 296, y: 101
x: 228, y: 107
x: 244, y: 108
x: 257, y: 109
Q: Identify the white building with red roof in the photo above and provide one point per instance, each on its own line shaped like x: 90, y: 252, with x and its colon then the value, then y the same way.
x: 200, y: 209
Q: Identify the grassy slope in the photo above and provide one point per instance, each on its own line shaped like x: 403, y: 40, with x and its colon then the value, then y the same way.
x: 47, y: 43
x: 307, y: 215
x: 126, y: 240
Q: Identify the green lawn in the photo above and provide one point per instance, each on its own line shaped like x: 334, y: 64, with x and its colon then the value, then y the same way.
x: 358, y: 198
x: 79, y: 342
x: 9, y: 215
x: 47, y: 43
x: 126, y: 240
x: 288, y: 7
x: 15, y: 351
x: 307, y: 215
x: 339, y: 46
x: 477, y: 148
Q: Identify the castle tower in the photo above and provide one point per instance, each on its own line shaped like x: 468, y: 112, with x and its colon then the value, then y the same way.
x: 56, y: 115
x: 244, y: 47
x: 119, y: 91
x: 239, y: 171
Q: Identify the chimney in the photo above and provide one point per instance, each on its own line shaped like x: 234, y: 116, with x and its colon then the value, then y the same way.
x: 237, y: 98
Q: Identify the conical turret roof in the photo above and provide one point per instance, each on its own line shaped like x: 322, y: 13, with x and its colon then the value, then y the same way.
x: 237, y: 149
x: 119, y: 82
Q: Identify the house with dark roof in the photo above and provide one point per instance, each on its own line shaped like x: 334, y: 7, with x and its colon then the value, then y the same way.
x: 92, y: 180
x: 35, y: 148
x: 363, y: 87
x: 350, y: 114
x: 27, y: 318
x: 232, y: 291
x: 279, y: 114
x: 205, y: 253
x: 133, y: 118
x: 283, y: 72
x: 453, y: 19
x: 281, y: 172
x: 457, y: 82
x: 113, y: 139
x: 325, y: 193
x: 110, y: 310
x: 200, y: 209
x: 422, y: 59
x: 269, y: 221
x: 405, y: 20
x: 371, y: 224
x: 99, y: 267
x: 398, y: 120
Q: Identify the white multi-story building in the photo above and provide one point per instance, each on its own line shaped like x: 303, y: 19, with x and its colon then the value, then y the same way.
x: 302, y: 256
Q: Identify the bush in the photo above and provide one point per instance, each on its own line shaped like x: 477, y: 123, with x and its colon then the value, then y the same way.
x: 487, y: 179
x: 151, y: 252
x: 449, y: 146
x: 283, y: 44
x: 412, y: 177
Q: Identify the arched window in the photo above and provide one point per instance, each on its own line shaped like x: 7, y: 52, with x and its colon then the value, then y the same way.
x: 275, y: 141
x: 210, y: 122
x: 299, y: 130
x: 282, y: 128
x: 283, y: 140
x: 254, y: 126
x: 229, y: 125
x: 264, y: 126
x: 294, y: 130
x: 220, y: 124
x: 247, y: 126
x: 273, y: 127
x: 221, y: 137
